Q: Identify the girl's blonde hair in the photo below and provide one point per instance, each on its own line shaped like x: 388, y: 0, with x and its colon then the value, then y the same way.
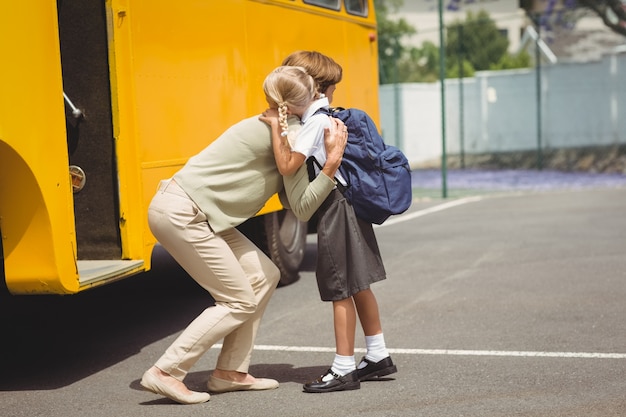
x: 288, y: 86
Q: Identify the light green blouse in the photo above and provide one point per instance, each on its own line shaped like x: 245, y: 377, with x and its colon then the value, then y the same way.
x: 302, y: 196
x: 231, y: 179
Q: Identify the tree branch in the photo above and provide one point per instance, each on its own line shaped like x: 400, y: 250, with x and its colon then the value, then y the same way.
x: 601, y: 8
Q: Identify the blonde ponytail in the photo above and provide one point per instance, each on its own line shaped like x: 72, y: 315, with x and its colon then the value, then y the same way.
x: 286, y: 87
x: 282, y: 118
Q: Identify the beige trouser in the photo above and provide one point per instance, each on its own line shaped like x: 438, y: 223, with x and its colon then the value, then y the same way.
x: 239, y: 276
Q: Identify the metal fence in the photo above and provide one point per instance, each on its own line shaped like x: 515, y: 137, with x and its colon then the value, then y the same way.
x: 566, y: 105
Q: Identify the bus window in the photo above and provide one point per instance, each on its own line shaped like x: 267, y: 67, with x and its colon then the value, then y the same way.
x: 329, y: 4
x: 356, y: 7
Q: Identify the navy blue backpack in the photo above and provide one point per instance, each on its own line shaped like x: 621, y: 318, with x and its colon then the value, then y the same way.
x: 378, y: 175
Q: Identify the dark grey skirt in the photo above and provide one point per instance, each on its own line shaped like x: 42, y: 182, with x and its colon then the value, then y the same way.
x: 348, y: 258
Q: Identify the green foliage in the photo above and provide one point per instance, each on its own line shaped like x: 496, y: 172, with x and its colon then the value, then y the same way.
x: 389, y: 34
x: 477, y: 43
x: 508, y: 61
x: 420, y: 64
x: 477, y: 39
x: 453, y: 70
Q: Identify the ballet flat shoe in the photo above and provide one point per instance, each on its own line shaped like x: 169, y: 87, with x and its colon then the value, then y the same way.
x: 218, y: 385
x: 152, y: 383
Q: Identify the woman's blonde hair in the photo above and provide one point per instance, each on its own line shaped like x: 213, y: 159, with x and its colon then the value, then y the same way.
x: 288, y: 86
x: 324, y: 70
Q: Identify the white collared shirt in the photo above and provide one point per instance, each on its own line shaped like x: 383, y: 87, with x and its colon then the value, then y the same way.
x: 310, y: 139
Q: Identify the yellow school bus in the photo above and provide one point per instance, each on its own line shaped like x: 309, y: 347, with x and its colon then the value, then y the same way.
x: 99, y: 100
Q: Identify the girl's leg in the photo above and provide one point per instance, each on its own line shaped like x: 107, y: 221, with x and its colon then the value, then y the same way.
x: 369, y: 316
x: 376, y: 361
x: 367, y: 307
x: 344, y: 316
x: 342, y: 375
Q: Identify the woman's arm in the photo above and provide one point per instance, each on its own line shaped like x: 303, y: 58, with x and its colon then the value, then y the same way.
x: 287, y: 161
x: 304, y: 197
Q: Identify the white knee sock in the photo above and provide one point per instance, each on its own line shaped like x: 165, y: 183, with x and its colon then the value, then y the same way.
x: 343, y: 365
x: 376, y: 349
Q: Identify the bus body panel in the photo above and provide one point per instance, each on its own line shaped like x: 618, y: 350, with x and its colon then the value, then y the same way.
x: 36, y: 209
x: 180, y: 74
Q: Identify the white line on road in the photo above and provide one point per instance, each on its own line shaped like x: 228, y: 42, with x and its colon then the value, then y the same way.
x: 452, y: 352
x: 430, y: 210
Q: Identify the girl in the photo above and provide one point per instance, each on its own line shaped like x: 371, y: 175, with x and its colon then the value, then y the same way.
x: 348, y: 255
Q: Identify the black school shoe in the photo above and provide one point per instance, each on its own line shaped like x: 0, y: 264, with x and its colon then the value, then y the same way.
x: 375, y: 370
x: 337, y: 383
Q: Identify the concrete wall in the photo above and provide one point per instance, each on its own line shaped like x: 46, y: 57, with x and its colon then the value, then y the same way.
x: 582, y: 104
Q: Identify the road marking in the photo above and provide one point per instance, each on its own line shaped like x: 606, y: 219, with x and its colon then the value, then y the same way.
x: 451, y: 352
x: 430, y: 210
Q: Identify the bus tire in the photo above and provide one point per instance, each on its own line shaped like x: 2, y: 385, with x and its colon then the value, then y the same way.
x: 286, y: 241
x: 4, y: 290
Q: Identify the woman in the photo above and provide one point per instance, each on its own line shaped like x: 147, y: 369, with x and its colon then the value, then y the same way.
x: 194, y: 214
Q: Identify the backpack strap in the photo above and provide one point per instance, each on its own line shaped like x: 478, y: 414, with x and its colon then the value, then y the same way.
x: 329, y: 111
x: 310, y: 168
x: 311, y: 163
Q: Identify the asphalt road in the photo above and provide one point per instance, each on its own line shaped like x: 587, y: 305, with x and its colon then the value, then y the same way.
x: 502, y: 305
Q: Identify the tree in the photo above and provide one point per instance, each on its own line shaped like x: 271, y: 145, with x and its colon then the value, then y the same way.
x: 420, y: 64
x: 478, y: 43
x: 612, y: 13
x: 479, y: 40
x: 509, y: 61
x: 390, y: 50
x: 565, y: 13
